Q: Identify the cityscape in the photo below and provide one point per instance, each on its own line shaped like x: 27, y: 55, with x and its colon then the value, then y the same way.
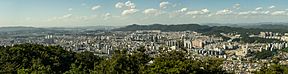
x: 238, y: 39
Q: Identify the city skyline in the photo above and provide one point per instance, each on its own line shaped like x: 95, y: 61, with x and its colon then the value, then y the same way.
x: 69, y: 13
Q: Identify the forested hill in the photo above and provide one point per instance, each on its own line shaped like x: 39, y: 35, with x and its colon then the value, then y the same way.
x: 163, y: 27
x: 39, y: 59
x: 196, y: 27
x: 182, y: 27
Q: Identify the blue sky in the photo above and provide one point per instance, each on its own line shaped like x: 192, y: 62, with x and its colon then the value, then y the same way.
x: 74, y: 13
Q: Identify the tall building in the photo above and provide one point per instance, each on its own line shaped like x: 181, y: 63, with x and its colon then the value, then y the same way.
x: 49, y: 39
x: 197, y: 43
x: 188, y: 44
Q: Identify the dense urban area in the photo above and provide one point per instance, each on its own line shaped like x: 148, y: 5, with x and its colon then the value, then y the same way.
x: 144, y: 49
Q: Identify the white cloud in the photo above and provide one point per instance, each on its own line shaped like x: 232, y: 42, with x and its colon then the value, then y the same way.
x: 130, y: 5
x: 205, y: 10
x: 194, y: 12
x: 60, y: 17
x: 164, y: 5
x: 200, y: 12
x: 254, y: 13
x: 271, y: 7
x: 107, y: 14
x: 259, y: 8
x: 236, y: 6
x: 126, y: 5
x: 95, y: 7
x: 129, y: 11
x: 67, y: 16
x: 224, y: 12
x: 182, y: 10
x: 152, y: 11
x: 278, y: 13
x: 119, y: 5
x: 265, y: 12
x: 245, y: 13
x: 178, y: 12
x: 210, y: 15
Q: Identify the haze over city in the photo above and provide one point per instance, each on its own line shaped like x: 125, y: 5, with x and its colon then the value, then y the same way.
x: 69, y: 13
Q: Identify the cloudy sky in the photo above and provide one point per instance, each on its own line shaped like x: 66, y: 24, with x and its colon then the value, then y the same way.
x: 73, y: 13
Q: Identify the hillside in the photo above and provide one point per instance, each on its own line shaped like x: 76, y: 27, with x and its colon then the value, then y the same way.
x: 198, y: 28
x: 39, y: 59
x: 19, y: 28
x: 182, y: 27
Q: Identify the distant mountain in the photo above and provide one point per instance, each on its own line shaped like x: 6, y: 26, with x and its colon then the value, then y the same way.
x: 85, y: 28
x: 201, y: 28
x: 267, y: 26
x: 263, y: 25
x: 53, y: 29
x: 19, y: 28
x: 182, y: 27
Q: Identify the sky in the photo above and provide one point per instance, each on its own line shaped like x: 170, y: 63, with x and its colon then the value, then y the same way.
x: 75, y: 13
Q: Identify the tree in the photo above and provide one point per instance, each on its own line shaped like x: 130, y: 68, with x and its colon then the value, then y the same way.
x: 273, y: 69
x: 122, y: 62
x: 39, y: 59
x: 33, y: 58
x: 75, y: 70
x: 175, y: 62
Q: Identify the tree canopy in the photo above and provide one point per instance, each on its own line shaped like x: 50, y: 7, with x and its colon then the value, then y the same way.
x: 32, y: 58
x: 39, y: 59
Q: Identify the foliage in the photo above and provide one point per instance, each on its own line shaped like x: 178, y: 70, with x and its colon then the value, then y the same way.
x: 259, y: 40
x: 32, y: 58
x: 175, y: 62
x: 273, y: 69
x: 39, y: 59
x: 123, y: 63
x: 284, y: 50
x: 264, y: 54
